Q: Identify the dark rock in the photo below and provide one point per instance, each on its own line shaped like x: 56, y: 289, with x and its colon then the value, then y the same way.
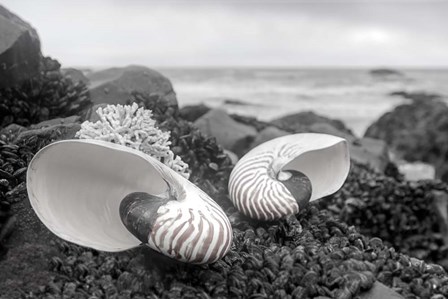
x: 300, y: 122
x: 75, y: 75
x: 417, y: 96
x: 193, y: 112
x: 251, y: 121
x: 232, y: 135
x: 327, y: 128
x: 115, y: 85
x: 371, y: 152
x: 236, y: 102
x: 20, y: 54
x: 417, y: 131
x: 268, y: 134
x: 385, y: 72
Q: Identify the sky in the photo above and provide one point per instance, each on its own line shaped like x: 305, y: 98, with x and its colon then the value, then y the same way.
x: 192, y: 33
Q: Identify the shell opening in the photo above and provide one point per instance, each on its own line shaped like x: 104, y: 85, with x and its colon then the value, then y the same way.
x: 327, y: 168
x: 76, y: 189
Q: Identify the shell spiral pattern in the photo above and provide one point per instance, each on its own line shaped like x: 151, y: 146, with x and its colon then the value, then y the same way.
x: 254, y: 185
x: 113, y: 198
x: 256, y: 191
x: 191, y: 235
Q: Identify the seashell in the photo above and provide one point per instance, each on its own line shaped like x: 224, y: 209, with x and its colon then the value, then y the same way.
x: 279, y: 177
x: 112, y: 198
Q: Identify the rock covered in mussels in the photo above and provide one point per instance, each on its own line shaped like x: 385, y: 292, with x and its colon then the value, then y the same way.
x: 322, y: 257
x: 46, y: 96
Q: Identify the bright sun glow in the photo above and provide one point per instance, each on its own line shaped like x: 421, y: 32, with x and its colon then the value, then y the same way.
x: 371, y: 35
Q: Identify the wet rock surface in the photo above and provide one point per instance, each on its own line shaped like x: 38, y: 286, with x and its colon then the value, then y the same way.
x: 300, y: 122
x: 231, y: 134
x: 371, y: 152
x: 20, y: 54
x: 416, y: 131
x: 193, y: 112
x: 115, y: 85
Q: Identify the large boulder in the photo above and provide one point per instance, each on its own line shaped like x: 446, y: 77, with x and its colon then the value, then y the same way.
x: 371, y: 152
x: 115, y: 85
x: 193, y: 112
x: 267, y: 134
x: 20, y: 53
x: 302, y: 121
x: 416, y: 131
x: 230, y: 134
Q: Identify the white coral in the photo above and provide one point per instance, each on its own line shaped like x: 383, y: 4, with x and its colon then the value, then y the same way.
x: 133, y: 127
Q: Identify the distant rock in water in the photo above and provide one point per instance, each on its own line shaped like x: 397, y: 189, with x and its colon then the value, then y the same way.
x: 385, y: 72
x: 20, y: 54
x: 236, y: 102
x: 115, y: 85
x: 417, y: 96
x: 417, y: 131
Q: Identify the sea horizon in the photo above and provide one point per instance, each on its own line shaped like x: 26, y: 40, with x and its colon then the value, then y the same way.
x: 355, y: 96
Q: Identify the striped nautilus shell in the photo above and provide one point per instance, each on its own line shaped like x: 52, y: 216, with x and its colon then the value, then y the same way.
x: 112, y: 198
x: 279, y: 177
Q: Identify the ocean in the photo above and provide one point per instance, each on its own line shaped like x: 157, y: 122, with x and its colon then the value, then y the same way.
x: 355, y: 96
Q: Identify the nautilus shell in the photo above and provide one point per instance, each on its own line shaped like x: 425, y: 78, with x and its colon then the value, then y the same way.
x: 279, y: 177
x: 112, y: 198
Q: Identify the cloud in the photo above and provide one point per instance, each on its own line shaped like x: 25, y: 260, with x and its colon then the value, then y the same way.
x: 105, y: 33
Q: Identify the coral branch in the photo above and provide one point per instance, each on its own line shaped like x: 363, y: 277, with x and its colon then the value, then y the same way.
x: 133, y: 127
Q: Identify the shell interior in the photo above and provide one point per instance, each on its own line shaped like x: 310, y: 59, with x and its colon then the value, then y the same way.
x: 326, y: 165
x: 76, y: 188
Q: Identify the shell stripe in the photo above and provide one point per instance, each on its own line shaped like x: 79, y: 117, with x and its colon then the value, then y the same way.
x: 256, y: 193
x: 193, y: 235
